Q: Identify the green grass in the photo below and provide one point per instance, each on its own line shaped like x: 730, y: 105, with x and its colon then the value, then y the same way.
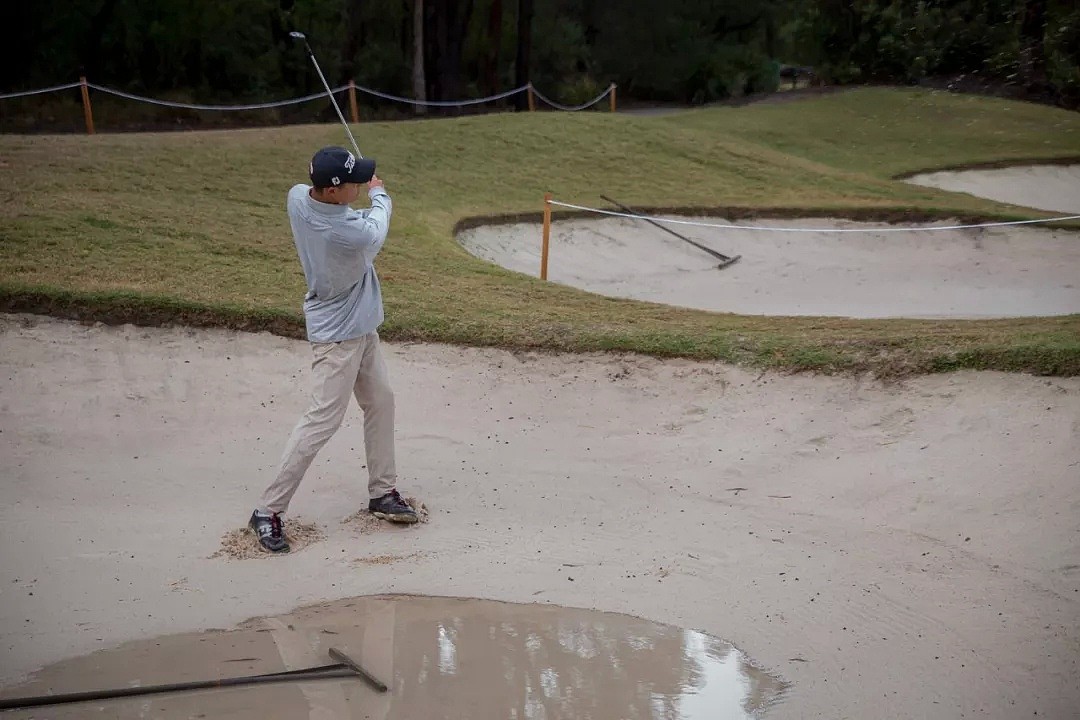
x: 191, y: 228
x: 889, y: 133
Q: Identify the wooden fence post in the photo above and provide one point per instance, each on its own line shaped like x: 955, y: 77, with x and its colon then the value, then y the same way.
x: 88, y: 113
x: 547, y: 236
x: 612, y: 97
x: 532, y: 100
x: 352, y: 102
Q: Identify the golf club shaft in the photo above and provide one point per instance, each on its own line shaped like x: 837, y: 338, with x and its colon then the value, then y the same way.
x: 332, y: 100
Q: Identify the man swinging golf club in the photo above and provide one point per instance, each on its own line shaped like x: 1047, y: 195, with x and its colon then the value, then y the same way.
x: 343, y: 309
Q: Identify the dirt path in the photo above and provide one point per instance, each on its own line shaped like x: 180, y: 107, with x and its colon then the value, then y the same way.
x: 917, y: 546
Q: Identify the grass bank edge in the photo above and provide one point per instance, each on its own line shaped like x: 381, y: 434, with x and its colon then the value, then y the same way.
x: 998, y: 164
x: 1054, y: 351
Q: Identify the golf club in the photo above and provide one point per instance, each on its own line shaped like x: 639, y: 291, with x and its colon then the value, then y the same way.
x: 301, y: 36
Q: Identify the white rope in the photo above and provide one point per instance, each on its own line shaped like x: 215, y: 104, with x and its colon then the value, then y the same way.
x: 807, y: 230
x: 574, y: 108
x: 192, y: 106
x: 42, y: 91
x: 314, y: 96
x: 442, y: 103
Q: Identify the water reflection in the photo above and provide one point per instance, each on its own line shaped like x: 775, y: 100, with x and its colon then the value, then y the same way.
x: 443, y: 658
x: 540, y: 662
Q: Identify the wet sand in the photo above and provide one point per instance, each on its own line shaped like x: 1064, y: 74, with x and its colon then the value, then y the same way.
x: 438, y: 657
x: 901, y: 551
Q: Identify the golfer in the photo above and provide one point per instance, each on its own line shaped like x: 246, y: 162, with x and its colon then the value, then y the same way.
x: 342, y: 312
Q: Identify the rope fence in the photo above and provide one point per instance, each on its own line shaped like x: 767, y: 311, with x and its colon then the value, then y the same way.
x: 41, y: 91
x: 633, y: 216
x: 195, y: 106
x: 583, y: 106
x: 85, y: 86
x: 549, y: 202
x: 443, y: 103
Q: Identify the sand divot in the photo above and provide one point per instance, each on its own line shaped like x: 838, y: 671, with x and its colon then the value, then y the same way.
x: 385, y: 559
x: 241, y: 544
x: 365, y: 523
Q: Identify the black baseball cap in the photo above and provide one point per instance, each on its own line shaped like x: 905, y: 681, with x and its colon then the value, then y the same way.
x: 334, y: 165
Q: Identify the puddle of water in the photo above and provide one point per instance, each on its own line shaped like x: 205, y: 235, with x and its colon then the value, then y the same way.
x: 441, y: 657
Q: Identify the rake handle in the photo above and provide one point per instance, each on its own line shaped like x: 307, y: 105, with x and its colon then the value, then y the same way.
x: 337, y: 670
x: 355, y: 667
x: 718, y: 255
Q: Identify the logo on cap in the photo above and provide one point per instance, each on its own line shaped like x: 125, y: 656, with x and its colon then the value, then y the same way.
x: 334, y: 166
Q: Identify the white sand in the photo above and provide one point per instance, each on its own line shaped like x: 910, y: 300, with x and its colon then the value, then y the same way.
x: 979, y: 273
x: 984, y: 273
x: 1044, y: 187
x: 893, y: 552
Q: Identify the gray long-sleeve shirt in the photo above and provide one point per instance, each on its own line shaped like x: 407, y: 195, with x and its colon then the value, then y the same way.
x: 337, y: 247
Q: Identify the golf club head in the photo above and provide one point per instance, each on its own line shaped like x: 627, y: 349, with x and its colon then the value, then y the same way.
x: 297, y: 35
x: 311, y: 53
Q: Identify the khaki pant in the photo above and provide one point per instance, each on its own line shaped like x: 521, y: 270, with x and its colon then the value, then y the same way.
x: 342, y: 369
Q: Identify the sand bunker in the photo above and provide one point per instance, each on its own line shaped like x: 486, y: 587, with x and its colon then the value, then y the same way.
x: 1045, y: 187
x: 907, y: 546
x: 986, y: 273
x: 978, y: 273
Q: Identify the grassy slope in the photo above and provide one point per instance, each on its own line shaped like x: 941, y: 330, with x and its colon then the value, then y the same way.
x: 191, y: 227
x: 892, y: 132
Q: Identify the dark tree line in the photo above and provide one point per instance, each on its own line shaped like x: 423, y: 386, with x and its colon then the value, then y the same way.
x: 689, y: 51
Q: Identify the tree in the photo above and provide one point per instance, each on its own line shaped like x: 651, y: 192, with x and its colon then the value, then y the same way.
x: 446, y: 22
x: 524, y: 48
x: 490, y: 62
x: 354, y: 36
x: 418, y: 83
x: 691, y: 51
x: 1032, y: 48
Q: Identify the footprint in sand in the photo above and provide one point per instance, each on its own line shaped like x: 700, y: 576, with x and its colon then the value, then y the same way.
x: 241, y: 544
x: 365, y: 522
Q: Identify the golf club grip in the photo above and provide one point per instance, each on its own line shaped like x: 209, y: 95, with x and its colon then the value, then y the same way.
x: 320, y: 673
